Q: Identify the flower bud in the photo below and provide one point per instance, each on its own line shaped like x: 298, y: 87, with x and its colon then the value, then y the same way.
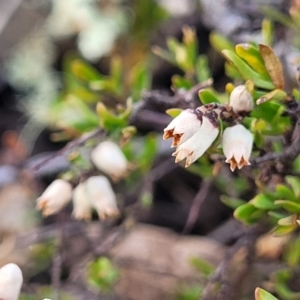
x: 195, y: 146
x: 241, y: 100
x: 237, y: 146
x: 109, y: 158
x: 11, y: 280
x: 102, y: 196
x: 56, y: 196
x: 184, y: 126
x: 81, y: 203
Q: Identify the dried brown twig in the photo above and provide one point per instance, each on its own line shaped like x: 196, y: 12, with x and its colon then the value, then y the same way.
x: 228, y: 277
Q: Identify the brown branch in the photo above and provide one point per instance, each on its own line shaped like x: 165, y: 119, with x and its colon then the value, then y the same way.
x: 57, y: 260
x: 78, y: 142
x: 196, y: 205
x: 226, y: 281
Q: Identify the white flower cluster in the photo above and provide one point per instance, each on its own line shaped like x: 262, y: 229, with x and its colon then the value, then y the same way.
x: 11, y: 280
x: 194, y: 131
x: 96, y: 192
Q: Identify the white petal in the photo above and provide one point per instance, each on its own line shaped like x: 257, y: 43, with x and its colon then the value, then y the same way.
x: 56, y: 196
x: 11, y: 280
x: 237, y: 144
x: 109, y: 158
x: 102, y: 196
x: 195, y: 147
x: 181, y: 128
x: 240, y: 99
x: 81, y: 203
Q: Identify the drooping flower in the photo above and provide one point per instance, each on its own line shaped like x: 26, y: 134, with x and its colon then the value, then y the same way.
x: 57, y: 195
x: 109, y: 158
x: 81, y: 203
x: 11, y: 280
x: 237, y: 144
x: 102, y: 196
x: 198, y: 143
x: 241, y: 100
x: 184, y: 126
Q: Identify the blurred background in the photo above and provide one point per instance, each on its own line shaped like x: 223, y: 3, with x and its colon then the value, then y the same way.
x: 58, y: 58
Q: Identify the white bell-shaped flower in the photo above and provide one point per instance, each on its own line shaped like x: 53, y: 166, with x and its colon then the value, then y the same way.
x: 56, y: 196
x: 102, y: 196
x: 184, y: 126
x: 196, y: 145
x: 109, y: 158
x: 81, y: 203
x: 237, y: 144
x: 241, y: 100
x: 11, y: 280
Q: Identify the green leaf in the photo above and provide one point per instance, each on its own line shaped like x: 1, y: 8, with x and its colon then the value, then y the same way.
x: 140, y: 80
x: 246, y: 71
x: 289, y: 220
x: 232, y: 72
x: 247, y: 213
x: 166, y: 55
x: 207, y: 96
x: 102, y: 274
x: 201, y: 265
x: 190, y: 41
x: 219, y: 42
x: 84, y: 71
x: 252, y: 56
x: 232, y: 202
x: 108, y: 120
x: 283, y: 230
x: 277, y: 95
x: 273, y: 65
x: 292, y: 253
x: 261, y: 294
x: 116, y: 70
x: 266, y: 111
x: 261, y: 201
x: 146, y: 157
x: 202, y: 68
x: 294, y: 182
x: 284, y: 192
x: 179, y: 82
x: 267, y: 30
x: 173, y: 112
x: 288, y: 205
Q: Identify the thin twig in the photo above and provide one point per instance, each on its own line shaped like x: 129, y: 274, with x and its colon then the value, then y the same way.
x: 75, y: 143
x: 222, y: 285
x: 57, y: 261
x: 196, y: 205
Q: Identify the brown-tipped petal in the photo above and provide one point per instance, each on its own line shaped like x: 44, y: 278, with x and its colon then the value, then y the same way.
x: 176, y: 140
x: 232, y: 162
x: 243, y: 162
x: 183, y: 127
x: 168, y: 134
x: 237, y: 146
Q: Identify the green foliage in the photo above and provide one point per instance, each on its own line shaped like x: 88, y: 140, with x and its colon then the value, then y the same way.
x: 185, y: 56
x: 261, y: 294
x: 202, y: 266
x: 189, y: 292
x: 102, y: 274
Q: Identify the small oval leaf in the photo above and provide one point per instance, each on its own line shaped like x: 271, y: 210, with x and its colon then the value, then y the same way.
x: 261, y: 294
x: 273, y: 65
x: 277, y: 95
x: 207, y: 96
x: 252, y: 56
x: 288, y: 205
x: 246, y: 71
